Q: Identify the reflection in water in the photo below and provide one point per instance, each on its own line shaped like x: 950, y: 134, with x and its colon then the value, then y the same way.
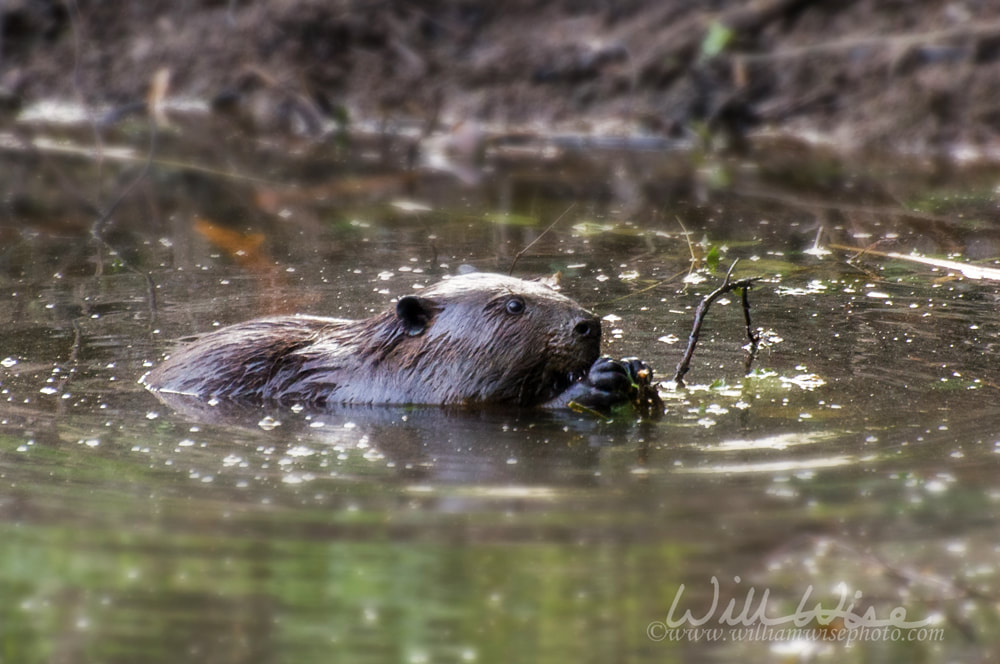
x: 861, y: 454
x: 471, y: 446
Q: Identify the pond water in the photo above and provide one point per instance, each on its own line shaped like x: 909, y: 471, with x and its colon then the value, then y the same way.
x: 856, y: 465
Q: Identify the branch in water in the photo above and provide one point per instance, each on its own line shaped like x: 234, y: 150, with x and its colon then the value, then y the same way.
x: 699, y: 316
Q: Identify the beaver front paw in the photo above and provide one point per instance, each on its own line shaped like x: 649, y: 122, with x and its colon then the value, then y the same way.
x: 611, y: 383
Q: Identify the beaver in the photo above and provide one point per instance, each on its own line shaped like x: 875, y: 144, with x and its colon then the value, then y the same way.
x: 476, y: 338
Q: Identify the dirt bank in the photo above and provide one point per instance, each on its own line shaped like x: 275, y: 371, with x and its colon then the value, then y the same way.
x: 876, y: 73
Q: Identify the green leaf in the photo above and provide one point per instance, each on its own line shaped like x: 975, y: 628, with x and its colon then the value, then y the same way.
x: 712, y: 258
x: 717, y: 38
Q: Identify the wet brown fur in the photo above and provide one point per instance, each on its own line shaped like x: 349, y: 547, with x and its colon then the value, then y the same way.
x: 455, y: 342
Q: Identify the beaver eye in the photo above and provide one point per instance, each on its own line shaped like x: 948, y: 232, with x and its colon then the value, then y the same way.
x: 515, y: 305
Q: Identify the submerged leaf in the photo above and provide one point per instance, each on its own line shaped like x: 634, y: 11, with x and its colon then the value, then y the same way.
x: 510, y: 219
x: 246, y: 248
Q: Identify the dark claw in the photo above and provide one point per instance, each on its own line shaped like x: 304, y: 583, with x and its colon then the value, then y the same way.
x: 610, y: 383
x: 611, y: 376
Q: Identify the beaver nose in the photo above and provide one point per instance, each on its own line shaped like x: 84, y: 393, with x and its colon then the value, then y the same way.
x: 588, y: 328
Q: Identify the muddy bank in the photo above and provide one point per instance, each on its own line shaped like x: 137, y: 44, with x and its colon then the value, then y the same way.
x: 895, y: 75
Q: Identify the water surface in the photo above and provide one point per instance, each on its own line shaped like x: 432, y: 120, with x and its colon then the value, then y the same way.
x: 859, y: 458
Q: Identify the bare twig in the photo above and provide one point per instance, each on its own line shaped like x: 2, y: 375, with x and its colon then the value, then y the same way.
x: 752, y: 334
x: 687, y: 237
x: 699, y: 316
x: 540, y: 236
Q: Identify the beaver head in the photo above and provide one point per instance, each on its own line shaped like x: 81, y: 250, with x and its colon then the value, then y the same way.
x: 474, y: 338
x: 491, y: 338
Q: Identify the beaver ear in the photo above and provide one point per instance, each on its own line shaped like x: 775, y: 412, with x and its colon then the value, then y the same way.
x: 415, y: 313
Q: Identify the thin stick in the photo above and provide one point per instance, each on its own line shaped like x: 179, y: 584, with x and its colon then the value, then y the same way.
x: 540, y: 236
x: 687, y: 237
x: 699, y: 317
x: 752, y: 334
